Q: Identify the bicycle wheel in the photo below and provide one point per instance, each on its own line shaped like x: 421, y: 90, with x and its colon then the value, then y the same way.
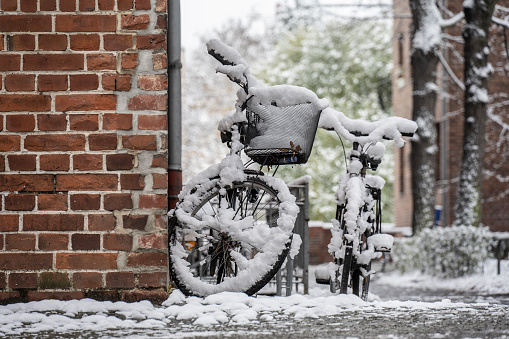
x: 232, y: 238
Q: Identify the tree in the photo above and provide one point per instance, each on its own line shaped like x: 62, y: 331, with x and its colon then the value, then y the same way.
x: 478, y: 14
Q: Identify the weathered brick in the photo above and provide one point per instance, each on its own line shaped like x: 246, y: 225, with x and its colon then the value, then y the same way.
x: 67, y: 6
x: 160, y: 160
x: 155, y: 296
x: 142, y: 4
x: 21, y: 42
x: 9, y: 222
x: 52, y: 202
x: 22, y: 162
x: 53, y: 42
x: 153, y: 201
x: 58, y: 295
x: 54, y: 162
x: 85, y: 42
x: 132, y: 181
x: 2, y: 163
x: 9, y: 5
x: 53, y: 241
x: 28, y: 6
x: 88, y: 162
x: 159, y: 180
x: 160, y: 61
x: 20, y: 202
x: 84, y: 122
x: 83, y: 82
x: 86, y: 280
x: 152, y: 280
x: 106, y: 5
x: 100, y: 142
x: 52, y: 122
x: 25, y: 102
x: 53, y: 222
x: 87, y: 5
x: 161, y: 222
x: 125, y: 5
x: 129, y: 60
x: 120, y: 280
x: 101, y: 222
x: 85, y: 102
x: 85, y: 202
x: 48, y: 5
x: 25, y: 261
x: 55, y: 142
x: 86, y: 242
x: 134, y: 22
x: 20, y: 122
x: 26, y: 182
x: 147, y: 259
x: 139, y: 142
x: 135, y: 222
x: 20, y: 242
x: 25, y: 23
x: 151, y: 41
x: 148, y: 102
x: 152, y: 122
x: 161, y: 6
x: 116, y: 82
x: 10, y: 62
x: 86, y: 182
x: 86, y: 261
x: 54, y: 280
x: 118, y: 201
x: 19, y: 82
x: 154, y: 240
x: 162, y: 22
x: 117, y: 42
x: 116, y: 162
x: 9, y: 143
x: 3, y: 281
x: 53, y: 62
x: 22, y: 280
x: 100, y: 62
x: 117, y: 121
x: 51, y: 82
x: 117, y: 242
x: 153, y: 82
x: 85, y: 23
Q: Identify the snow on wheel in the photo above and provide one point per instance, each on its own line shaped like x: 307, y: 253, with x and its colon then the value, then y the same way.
x: 231, y: 237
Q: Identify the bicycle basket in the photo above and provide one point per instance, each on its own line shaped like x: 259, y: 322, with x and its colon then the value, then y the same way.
x: 281, y: 135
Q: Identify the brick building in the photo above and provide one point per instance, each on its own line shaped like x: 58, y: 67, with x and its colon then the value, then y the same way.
x: 83, y: 149
x: 449, y: 122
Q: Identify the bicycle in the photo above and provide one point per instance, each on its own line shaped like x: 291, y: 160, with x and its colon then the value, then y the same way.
x: 232, y: 228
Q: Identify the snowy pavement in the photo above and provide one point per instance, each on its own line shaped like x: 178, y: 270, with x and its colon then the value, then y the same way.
x: 319, y: 315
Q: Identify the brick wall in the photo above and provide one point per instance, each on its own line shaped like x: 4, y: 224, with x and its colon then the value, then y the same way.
x: 83, y: 149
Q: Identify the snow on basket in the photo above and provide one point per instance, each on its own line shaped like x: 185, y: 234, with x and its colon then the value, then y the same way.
x: 282, y: 123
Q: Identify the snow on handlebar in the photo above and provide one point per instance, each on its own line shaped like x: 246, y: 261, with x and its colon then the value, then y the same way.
x: 363, y: 132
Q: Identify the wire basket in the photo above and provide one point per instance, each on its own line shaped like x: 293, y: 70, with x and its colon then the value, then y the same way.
x: 281, y: 135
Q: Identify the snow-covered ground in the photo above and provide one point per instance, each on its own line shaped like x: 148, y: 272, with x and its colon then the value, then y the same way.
x: 192, y: 316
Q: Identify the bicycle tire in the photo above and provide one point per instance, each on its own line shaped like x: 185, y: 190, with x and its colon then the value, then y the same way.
x: 244, y: 264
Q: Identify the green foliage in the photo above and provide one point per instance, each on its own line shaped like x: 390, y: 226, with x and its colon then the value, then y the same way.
x: 448, y: 252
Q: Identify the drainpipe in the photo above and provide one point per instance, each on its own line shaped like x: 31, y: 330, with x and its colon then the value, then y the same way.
x: 174, y: 104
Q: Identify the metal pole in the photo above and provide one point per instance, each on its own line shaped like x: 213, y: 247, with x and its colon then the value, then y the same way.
x: 174, y: 104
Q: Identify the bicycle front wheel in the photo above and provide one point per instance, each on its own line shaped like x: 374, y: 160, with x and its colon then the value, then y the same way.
x: 232, y: 238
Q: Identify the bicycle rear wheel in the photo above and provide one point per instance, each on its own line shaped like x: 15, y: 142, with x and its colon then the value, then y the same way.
x: 231, y: 238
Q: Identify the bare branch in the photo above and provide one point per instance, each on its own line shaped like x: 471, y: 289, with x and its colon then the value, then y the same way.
x: 450, y: 72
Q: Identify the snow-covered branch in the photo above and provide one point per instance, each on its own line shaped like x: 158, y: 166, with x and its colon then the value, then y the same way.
x: 500, y: 22
x: 445, y: 23
x: 450, y: 72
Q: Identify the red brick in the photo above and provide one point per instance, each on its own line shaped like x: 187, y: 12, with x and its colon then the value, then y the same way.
x: 147, y: 259
x: 87, y: 5
x: 3, y: 281
x: 52, y: 202
x: 153, y: 201
x: 54, y: 162
x: 142, y: 4
x: 28, y: 6
x: 115, y: 162
x: 85, y: 23
x: 55, y: 142
x: 120, y: 280
x: 117, y: 121
x: 118, y: 201
x: 161, y: 6
x: 124, y: 5
x: 9, y: 5
x: 152, y: 122
x: 25, y: 23
x: 155, y: 296
x: 86, y: 261
x: 162, y: 22
x: 129, y: 60
x: 101, y: 222
x: 85, y: 202
x: 84, y: 82
x: 117, y: 242
x: 135, y: 222
x: 151, y: 41
x: 25, y: 261
x: 152, y: 280
x: 86, y: 102
x: 85, y: 42
x: 1, y: 116
x: 19, y: 82
x: 20, y: 122
x: 21, y: 42
x: 67, y: 5
x: 159, y: 181
x: 116, y: 82
x: 117, y: 42
x: 134, y: 22
x: 106, y: 5
x: 100, y: 142
x: 48, y: 5
x: 53, y: 241
x: 20, y: 242
x: 100, y: 62
x: 160, y: 61
x: 22, y: 280
x: 161, y: 222
x: 85, y: 242
x: 160, y: 160
x: 53, y: 62
x: 154, y: 240
x: 26, y: 183
x: 22, y: 162
x: 47, y: 82
x: 139, y: 142
x: 10, y: 62
x: 88, y: 162
x: 84, y: 122
x: 54, y: 280
x: 2, y: 163
x: 132, y: 181
x: 53, y: 42
x: 148, y: 102
x: 86, y: 280
x: 153, y: 82
x: 58, y: 295
x: 52, y: 122
x: 53, y: 222
x: 9, y: 222
x: 24, y: 102
x: 86, y: 182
